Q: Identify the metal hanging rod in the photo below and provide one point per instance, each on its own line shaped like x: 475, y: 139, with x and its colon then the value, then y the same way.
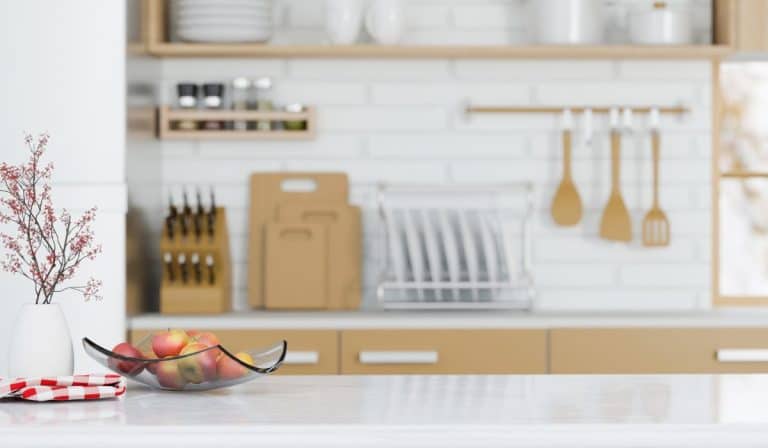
x: 575, y: 109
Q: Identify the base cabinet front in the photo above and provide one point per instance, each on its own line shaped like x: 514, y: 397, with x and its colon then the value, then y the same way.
x: 443, y: 351
x: 659, y: 350
x: 310, y: 352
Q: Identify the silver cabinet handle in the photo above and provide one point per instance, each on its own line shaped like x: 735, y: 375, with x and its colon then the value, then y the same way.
x: 301, y: 357
x: 742, y: 355
x: 398, y: 357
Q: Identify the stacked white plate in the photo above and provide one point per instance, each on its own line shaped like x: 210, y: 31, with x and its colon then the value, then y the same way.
x: 222, y: 20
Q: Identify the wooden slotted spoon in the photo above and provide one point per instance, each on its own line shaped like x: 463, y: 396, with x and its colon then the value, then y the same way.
x: 566, y: 205
x: 615, y: 224
x: 655, y: 223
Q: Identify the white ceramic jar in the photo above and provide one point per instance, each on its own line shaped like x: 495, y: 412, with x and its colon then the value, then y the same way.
x: 659, y: 23
x: 41, y: 344
x: 556, y: 22
x: 343, y: 20
x: 385, y: 21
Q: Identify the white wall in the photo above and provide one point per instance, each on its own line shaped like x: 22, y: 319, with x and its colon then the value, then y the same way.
x: 63, y: 72
x: 400, y: 121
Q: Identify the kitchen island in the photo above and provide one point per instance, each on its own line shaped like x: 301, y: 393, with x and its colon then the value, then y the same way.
x: 405, y: 411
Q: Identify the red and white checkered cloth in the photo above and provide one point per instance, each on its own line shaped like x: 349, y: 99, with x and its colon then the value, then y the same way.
x: 64, y: 388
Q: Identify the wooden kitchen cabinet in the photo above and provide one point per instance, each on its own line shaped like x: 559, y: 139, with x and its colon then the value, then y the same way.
x: 443, y: 351
x: 659, y: 350
x: 310, y: 352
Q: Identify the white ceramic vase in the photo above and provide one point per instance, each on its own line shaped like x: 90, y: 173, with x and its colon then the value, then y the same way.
x: 40, y: 343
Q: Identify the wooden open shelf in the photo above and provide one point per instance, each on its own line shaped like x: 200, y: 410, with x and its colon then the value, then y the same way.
x: 157, y: 44
x: 167, y: 116
x: 166, y: 49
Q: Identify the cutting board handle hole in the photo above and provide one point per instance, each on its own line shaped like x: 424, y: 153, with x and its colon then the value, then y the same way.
x: 318, y: 216
x: 299, y: 185
x: 296, y: 234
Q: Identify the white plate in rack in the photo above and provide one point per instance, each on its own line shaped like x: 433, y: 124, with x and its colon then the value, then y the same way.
x: 470, y: 251
x: 490, y: 252
x: 395, y: 241
x: 450, y: 249
x: 415, y: 254
x: 433, y: 250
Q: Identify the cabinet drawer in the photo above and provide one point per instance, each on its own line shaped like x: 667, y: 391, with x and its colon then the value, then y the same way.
x: 659, y: 350
x: 443, y: 351
x: 309, y: 351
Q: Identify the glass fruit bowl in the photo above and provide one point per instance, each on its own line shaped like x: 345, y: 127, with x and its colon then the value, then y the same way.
x: 196, y: 367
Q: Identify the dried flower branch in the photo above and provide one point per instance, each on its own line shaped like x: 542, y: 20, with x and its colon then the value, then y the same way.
x: 47, y: 249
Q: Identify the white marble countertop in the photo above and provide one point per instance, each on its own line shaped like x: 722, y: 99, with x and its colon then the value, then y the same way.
x: 427, y: 411
x: 452, y: 319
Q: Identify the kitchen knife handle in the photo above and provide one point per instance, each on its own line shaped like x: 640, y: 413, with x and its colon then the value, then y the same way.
x: 398, y: 357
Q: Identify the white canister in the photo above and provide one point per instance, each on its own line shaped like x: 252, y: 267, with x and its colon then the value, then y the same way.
x: 40, y: 343
x: 566, y: 21
x: 660, y: 24
x: 385, y: 21
x: 343, y: 20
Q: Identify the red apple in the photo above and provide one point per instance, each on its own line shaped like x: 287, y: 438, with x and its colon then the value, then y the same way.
x: 229, y: 369
x: 169, y: 343
x: 151, y: 366
x: 168, y: 375
x: 199, y: 367
x: 207, y: 338
x: 130, y: 368
x: 193, y: 333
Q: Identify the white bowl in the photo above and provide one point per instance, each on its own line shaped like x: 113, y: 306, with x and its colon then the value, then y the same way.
x: 224, y: 34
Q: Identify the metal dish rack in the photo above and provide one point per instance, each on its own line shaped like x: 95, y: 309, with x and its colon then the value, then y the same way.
x: 491, y: 228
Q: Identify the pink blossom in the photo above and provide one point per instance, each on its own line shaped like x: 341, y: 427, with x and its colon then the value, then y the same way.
x: 47, y: 249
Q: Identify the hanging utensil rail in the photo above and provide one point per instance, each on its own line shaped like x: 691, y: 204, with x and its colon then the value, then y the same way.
x: 470, y: 109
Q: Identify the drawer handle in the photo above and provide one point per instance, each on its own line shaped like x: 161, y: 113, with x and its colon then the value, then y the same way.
x: 398, y: 357
x: 301, y: 357
x: 742, y: 355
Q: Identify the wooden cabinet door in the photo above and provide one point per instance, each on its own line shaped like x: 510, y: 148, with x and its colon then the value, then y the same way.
x: 659, y: 350
x: 309, y: 351
x: 443, y: 351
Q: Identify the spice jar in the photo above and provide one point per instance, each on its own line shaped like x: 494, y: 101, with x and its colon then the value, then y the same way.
x: 298, y: 124
x: 264, y: 101
x: 213, y: 99
x: 187, y: 99
x: 240, y: 100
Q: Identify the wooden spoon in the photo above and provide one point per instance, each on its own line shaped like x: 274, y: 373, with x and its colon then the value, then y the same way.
x: 615, y: 224
x: 566, y: 205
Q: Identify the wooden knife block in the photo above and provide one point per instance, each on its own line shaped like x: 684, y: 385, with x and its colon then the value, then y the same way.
x: 192, y: 298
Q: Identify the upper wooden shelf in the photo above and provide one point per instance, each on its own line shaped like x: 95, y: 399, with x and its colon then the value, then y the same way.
x: 165, y: 49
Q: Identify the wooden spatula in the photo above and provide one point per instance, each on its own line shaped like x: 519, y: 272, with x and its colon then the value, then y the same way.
x: 615, y: 224
x: 566, y: 205
x: 655, y: 223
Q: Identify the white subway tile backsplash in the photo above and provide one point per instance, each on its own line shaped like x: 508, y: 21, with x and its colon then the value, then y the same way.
x: 666, y: 275
x: 617, y: 93
x: 450, y: 93
x: 576, y: 275
x: 441, y: 146
x: 391, y: 118
x: 321, y: 93
x: 648, y: 70
x: 375, y: 171
x: 324, y: 146
x: 219, y: 69
x: 534, y: 70
x: 368, y: 70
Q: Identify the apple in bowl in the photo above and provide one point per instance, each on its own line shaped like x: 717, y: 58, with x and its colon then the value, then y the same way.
x: 128, y: 367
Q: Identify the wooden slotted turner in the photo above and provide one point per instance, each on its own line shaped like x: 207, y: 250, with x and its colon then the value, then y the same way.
x: 566, y: 205
x: 655, y: 223
x: 615, y: 224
